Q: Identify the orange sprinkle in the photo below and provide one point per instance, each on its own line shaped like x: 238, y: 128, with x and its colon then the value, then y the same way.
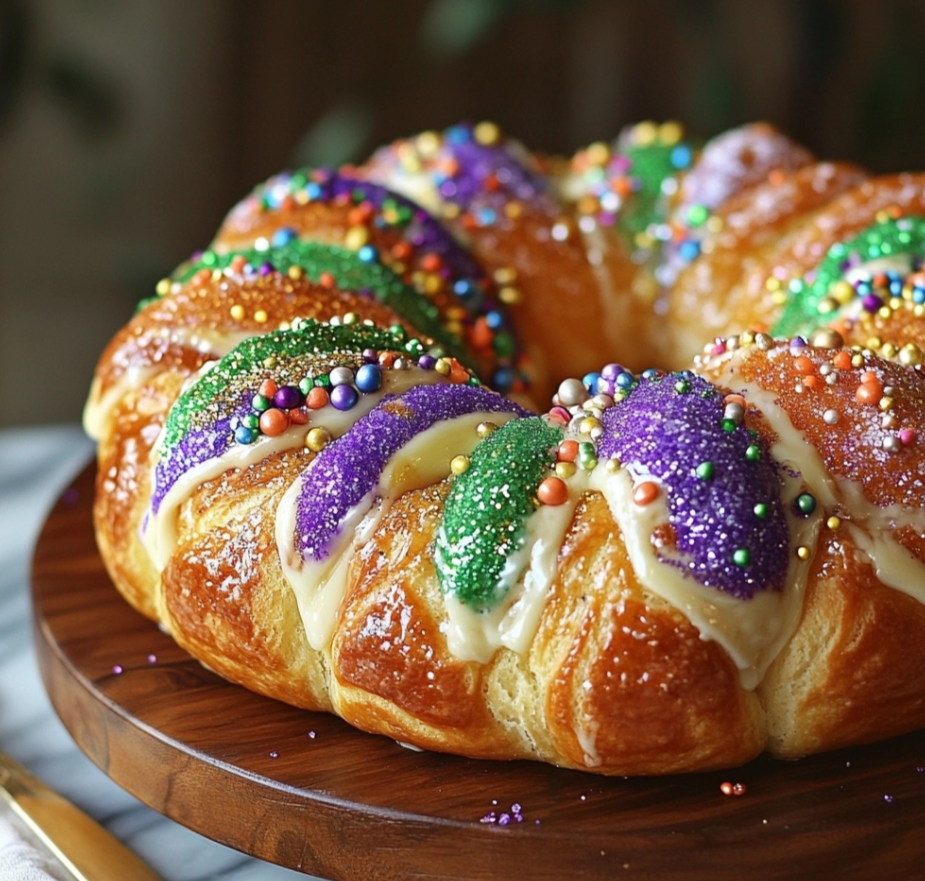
x: 869, y: 392
x: 298, y: 416
x: 734, y: 399
x: 811, y: 382
x: 274, y: 422
x: 360, y: 214
x: 567, y: 451
x: 431, y: 262
x: 645, y: 493
x: 268, y: 388
x: 326, y: 280
x: 842, y: 360
x: 288, y: 204
x: 458, y: 373
x: 402, y: 250
x: 202, y: 276
x: 317, y: 398
x: 804, y: 364
x: 238, y: 263
x: 481, y: 335
x: 552, y: 491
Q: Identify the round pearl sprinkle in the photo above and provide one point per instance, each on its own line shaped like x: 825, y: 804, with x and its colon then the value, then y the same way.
x: 459, y: 464
x: 317, y: 439
x: 341, y: 376
x: 645, y: 493
x: 344, y: 397
x: 552, y: 491
x: 572, y: 392
x: 369, y: 378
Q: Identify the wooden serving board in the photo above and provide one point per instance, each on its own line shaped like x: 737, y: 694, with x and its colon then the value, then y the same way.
x: 308, y: 792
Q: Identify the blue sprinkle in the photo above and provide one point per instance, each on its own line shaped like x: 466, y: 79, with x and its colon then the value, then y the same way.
x: 689, y: 249
x: 681, y: 156
x: 368, y: 254
x: 283, y: 236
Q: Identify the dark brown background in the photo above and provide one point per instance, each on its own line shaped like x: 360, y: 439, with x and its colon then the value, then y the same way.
x: 128, y: 127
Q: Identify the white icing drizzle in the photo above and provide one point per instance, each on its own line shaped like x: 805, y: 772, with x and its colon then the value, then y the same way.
x: 320, y: 587
x: 527, y: 578
x: 159, y: 534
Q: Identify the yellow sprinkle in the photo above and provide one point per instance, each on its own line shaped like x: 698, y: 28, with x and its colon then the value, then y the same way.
x: 772, y: 283
x: 910, y: 354
x: 597, y: 153
x: 260, y: 316
x: 459, y: 464
x: 843, y: 292
x: 513, y: 210
x: 670, y: 132
x: 351, y: 318
x: 857, y: 360
x: 803, y: 552
x: 644, y: 133
x: 428, y: 143
x: 443, y: 366
x: 356, y: 237
x: 888, y: 350
x: 613, y: 465
x: 565, y: 469
x: 715, y: 224
x: 163, y: 287
x: 886, y: 403
x: 485, y: 428
x: 588, y: 424
x: 237, y: 311
x: 450, y: 210
x: 487, y: 133
x: 509, y: 295
x: 433, y: 284
x: 833, y: 522
x: 317, y: 439
x: 505, y: 275
x: 295, y: 272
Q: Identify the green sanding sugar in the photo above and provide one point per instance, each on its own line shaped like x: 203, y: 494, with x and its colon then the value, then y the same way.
x: 351, y: 271
x: 894, y: 237
x: 484, y: 518
x: 265, y: 351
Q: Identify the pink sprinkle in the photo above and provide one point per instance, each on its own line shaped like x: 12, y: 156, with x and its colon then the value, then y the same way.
x: 117, y: 669
x: 152, y: 659
x: 888, y: 799
x: 907, y: 436
x: 719, y: 348
x: 559, y: 415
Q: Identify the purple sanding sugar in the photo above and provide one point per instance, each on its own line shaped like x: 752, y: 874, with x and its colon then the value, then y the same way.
x: 201, y: 443
x: 348, y: 469
x: 660, y: 431
x: 475, y: 162
x: 423, y: 229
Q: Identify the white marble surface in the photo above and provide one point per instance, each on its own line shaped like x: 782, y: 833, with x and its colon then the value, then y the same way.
x: 36, y: 464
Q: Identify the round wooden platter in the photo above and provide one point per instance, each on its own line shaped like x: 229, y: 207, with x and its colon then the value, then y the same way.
x: 307, y: 791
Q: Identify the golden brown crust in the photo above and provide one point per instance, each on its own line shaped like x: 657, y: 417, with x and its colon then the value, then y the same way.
x: 852, y: 672
x: 616, y: 680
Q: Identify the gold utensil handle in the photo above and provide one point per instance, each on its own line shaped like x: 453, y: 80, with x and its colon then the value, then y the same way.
x: 85, y: 848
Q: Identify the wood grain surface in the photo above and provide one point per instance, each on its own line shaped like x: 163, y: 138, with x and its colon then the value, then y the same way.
x: 306, y: 791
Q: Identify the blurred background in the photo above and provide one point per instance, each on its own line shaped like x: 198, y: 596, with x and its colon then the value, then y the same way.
x: 129, y: 127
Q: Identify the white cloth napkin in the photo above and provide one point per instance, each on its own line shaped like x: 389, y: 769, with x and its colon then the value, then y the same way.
x: 23, y: 855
